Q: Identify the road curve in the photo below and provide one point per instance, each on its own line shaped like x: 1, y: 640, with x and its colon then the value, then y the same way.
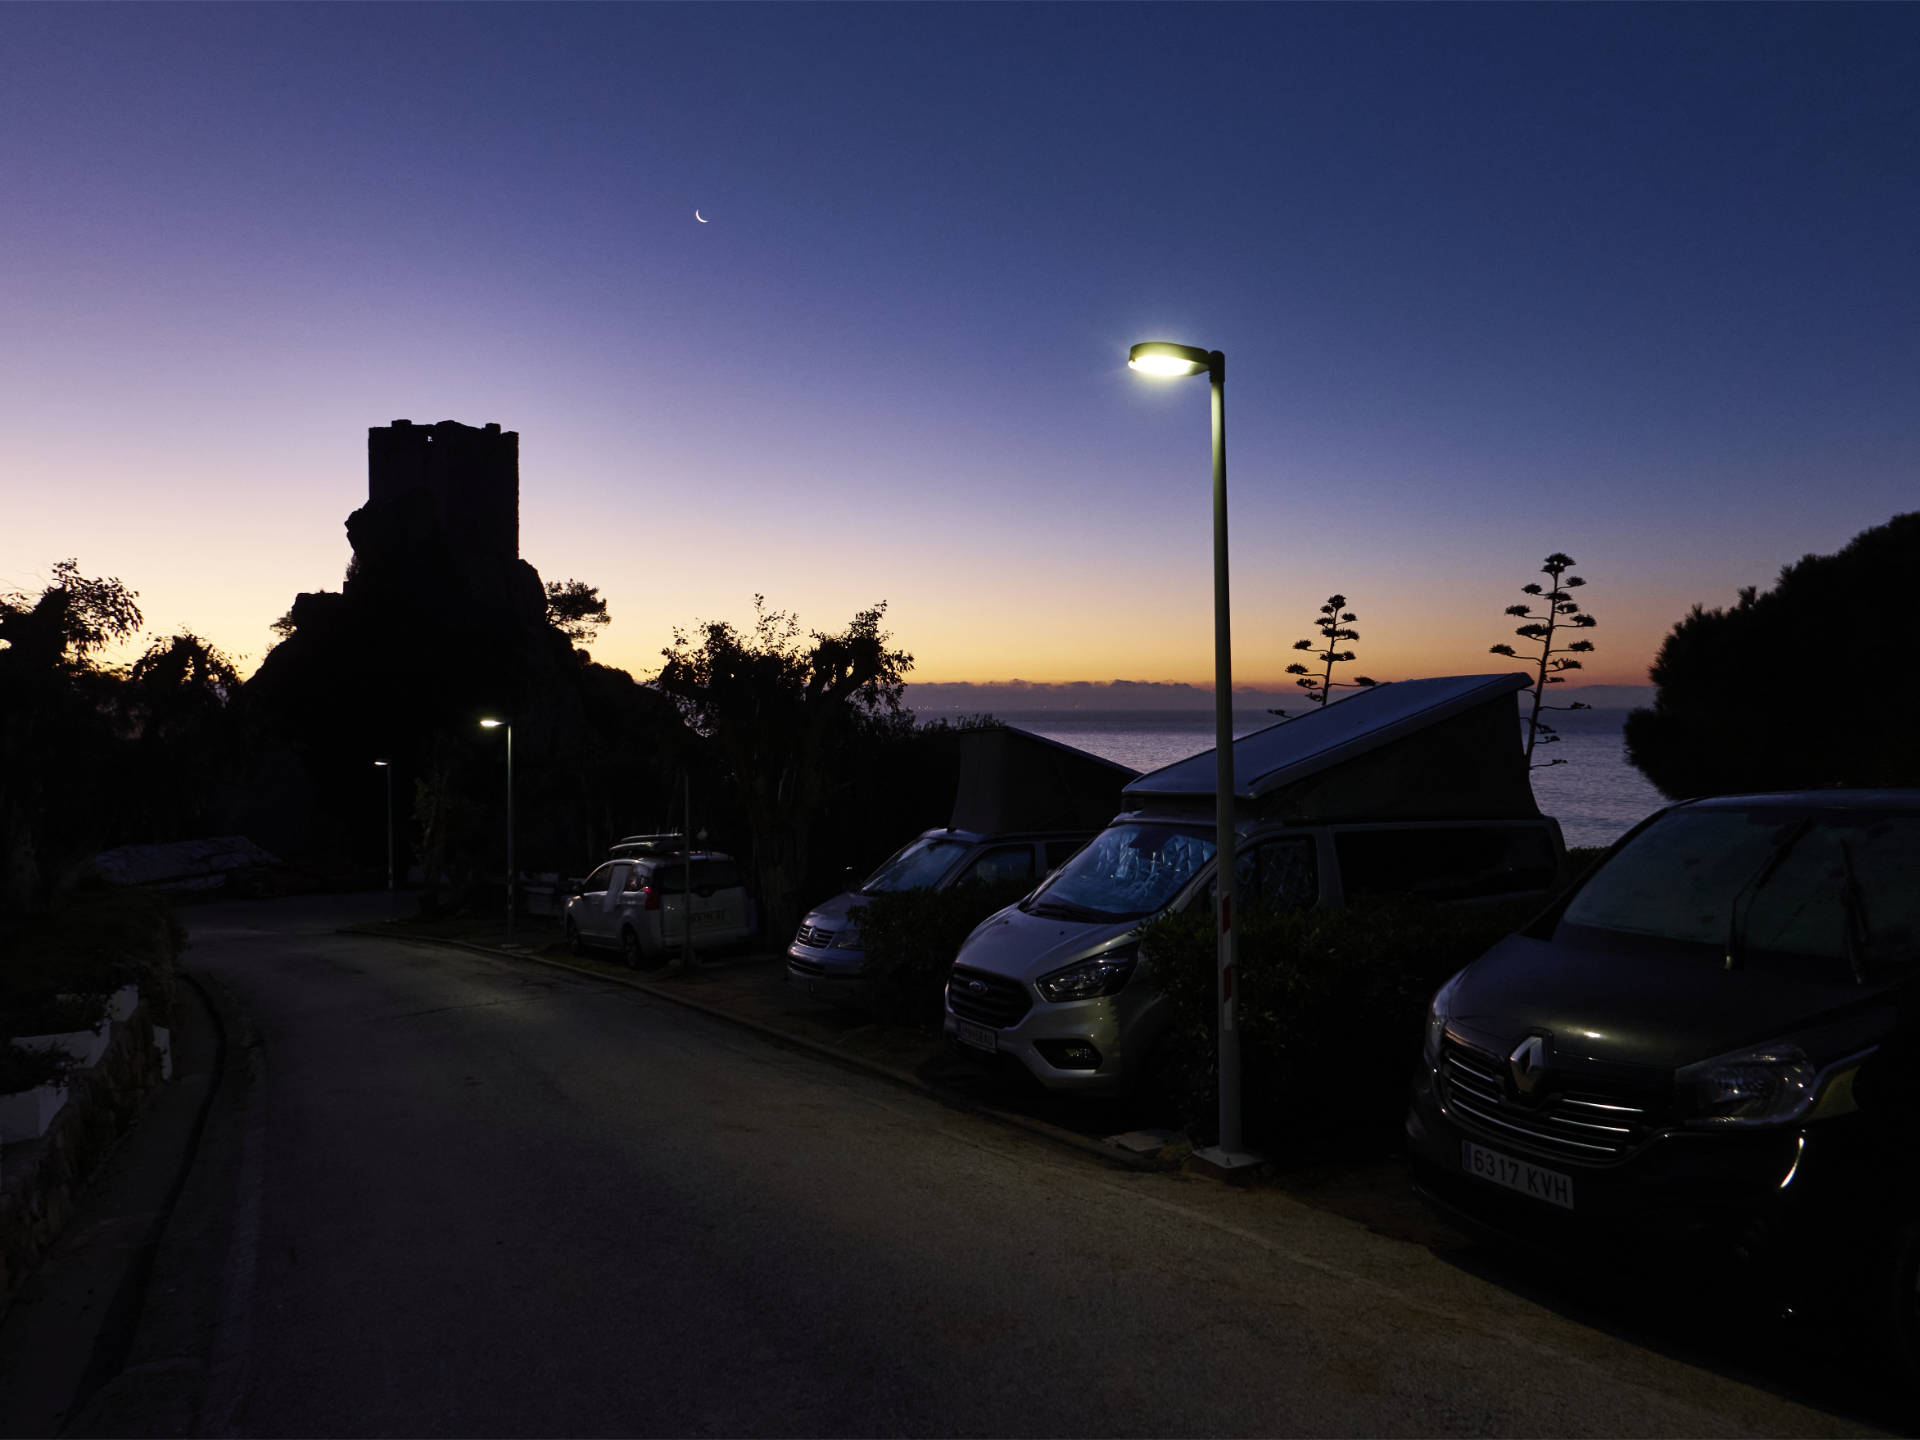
x: 498, y: 1198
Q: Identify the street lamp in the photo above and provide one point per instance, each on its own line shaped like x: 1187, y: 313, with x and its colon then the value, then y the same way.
x: 1164, y: 359
x: 386, y: 766
x: 512, y: 875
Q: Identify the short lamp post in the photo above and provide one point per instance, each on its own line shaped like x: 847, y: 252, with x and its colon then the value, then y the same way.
x: 1161, y: 358
x: 513, y: 876
x: 387, y: 766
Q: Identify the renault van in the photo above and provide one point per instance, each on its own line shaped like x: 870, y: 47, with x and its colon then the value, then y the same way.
x: 1712, y: 1042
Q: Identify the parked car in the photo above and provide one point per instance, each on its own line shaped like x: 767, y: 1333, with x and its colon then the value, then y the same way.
x: 640, y: 904
x: 1712, y: 1039
x: 826, y: 957
x: 1058, y: 982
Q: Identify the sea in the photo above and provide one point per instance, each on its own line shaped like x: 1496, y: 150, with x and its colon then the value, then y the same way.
x: 1595, y: 794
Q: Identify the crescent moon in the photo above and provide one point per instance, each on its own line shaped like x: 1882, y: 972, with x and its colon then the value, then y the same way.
x: 701, y: 218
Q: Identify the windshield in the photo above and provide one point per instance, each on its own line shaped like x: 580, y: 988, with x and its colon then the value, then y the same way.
x: 920, y: 866
x: 1125, y: 872
x: 1835, y: 889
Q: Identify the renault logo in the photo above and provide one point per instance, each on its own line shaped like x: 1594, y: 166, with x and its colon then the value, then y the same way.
x: 1528, y: 1063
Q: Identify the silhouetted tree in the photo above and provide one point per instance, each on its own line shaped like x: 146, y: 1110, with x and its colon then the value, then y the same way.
x: 1719, y: 724
x: 71, y: 619
x: 174, y: 710
x: 1562, y: 612
x: 575, y: 609
x: 56, y: 731
x: 1332, y: 626
x: 773, y: 701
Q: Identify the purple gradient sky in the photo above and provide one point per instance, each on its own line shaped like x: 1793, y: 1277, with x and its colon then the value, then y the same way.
x: 1636, y: 283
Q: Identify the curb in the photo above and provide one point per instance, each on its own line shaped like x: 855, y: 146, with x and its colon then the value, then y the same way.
x: 93, y: 1285
x: 1098, y: 1149
x: 170, y: 1371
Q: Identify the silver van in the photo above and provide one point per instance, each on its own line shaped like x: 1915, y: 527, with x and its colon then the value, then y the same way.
x: 826, y: 958
x: 1415, y: 788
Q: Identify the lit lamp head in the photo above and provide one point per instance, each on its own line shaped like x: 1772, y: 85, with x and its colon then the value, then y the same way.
x: 1164, y: 358
x: 380, y: 764
x: 492, y: 724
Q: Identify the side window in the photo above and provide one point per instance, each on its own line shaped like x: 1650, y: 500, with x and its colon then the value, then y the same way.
x: 1000, y: 865
x: 1445, y: 862
x: 712, y: 875
x: 1278, y: 874
x: 596, y: 883
x: 634, y: 881
x: 1281, y: 874
x: 1058, y: 852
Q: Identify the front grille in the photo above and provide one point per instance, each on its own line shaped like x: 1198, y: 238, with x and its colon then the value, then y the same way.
x: 987, y: 999
x: 812, y: 969
x: 813, y: 937
x: 1590, y: 1122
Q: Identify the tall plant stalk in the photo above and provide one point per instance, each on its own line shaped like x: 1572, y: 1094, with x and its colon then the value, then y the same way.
x: 1562, y: 613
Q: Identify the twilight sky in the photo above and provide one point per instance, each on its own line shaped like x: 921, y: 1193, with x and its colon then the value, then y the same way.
x: 1641, y: 284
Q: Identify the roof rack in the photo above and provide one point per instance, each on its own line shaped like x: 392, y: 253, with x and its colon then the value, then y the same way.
x: 671, y: 843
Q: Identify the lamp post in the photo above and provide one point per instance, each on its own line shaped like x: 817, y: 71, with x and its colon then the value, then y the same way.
x: 388, y: 767
x: 512, y: 875
x: 1161, y: 358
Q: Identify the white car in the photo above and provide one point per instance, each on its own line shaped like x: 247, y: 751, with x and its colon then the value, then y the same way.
x: 640, y: 905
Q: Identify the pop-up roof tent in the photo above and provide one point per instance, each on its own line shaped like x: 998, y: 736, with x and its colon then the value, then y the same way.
x: 1013, y: 780
x: 1447, y: 747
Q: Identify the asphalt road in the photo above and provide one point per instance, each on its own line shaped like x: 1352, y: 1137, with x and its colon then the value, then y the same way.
x: 485, y: 1197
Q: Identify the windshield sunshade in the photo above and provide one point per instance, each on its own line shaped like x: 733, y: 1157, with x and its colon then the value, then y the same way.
x: 1125, y: 872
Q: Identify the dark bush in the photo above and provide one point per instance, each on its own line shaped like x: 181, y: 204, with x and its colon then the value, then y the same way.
x: 58, y: 970
x: 25, y: 1069
x: 910, y: 938
x: 1717, y: 725
x: 1331, y: 1005
x: 1574, y: 865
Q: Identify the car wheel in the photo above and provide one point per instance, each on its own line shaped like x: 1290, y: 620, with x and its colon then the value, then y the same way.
x: 631, y: 955
x: 574, y: 944
x: 650, y: 960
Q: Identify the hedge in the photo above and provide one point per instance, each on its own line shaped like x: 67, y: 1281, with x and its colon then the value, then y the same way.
x: 910, y: 938
x: 1330, y: 1005
x: 58, y: 971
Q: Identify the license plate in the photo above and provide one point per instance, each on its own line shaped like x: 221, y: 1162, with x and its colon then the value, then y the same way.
x: 981, y: 1037
x: 710, y: 919
x: 1527, y: 1179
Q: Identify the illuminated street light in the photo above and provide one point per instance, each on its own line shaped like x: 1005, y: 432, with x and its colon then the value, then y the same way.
x: 1164, y: 359
x: 512, y: 875
x: 1161, y: 357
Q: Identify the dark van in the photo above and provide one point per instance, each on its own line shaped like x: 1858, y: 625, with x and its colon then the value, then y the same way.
x: 1712, y: 1039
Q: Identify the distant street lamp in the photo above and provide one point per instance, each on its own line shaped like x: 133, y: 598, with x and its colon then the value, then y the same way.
x: 512, y: 875
x: 1161, y: 358
x: 387, y: 766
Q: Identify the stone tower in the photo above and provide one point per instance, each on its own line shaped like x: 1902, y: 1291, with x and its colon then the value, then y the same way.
x: 469, y: 479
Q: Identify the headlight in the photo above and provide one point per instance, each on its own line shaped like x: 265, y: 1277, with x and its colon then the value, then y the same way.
x: 1438, y: 1014
x: 1767, y: 1085
x: 1090, y: 979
